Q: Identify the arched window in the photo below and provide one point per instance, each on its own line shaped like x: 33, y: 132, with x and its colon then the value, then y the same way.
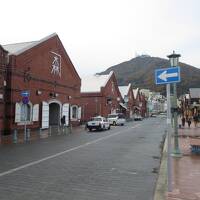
x: 74, y: 112
x: 25, y: 112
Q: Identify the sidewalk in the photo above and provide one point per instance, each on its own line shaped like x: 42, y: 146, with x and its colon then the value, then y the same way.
x: 186, y: 170
x: 37, y: 135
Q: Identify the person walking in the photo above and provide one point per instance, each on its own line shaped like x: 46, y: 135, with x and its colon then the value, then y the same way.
x: 195, y: 118
x: 189, y: 122
x: 62, y: 123
x: 183, y: 121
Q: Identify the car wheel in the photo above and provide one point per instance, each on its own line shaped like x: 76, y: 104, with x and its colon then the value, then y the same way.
x: 109, y: 127
x: 90, y: 129
x: 114, y: 123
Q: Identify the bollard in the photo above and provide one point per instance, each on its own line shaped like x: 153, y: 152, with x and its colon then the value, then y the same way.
x: 40, y: 132
x: 59, y: 131
x: 70, y: 128
x: 49, y: 130
x: 65, y: 130
x: 25, y: 132
x: 15, y: 136
x: 28, y: 134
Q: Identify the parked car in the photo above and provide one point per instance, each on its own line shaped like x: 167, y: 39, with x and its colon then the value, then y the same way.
x: 137, y: 117
x: 116, y: 119
x: 98, y: 123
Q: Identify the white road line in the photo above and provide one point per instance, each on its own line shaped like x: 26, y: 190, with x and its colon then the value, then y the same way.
x: 63, y: 152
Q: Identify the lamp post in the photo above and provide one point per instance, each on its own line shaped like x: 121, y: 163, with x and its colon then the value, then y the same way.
x: 174, y: 58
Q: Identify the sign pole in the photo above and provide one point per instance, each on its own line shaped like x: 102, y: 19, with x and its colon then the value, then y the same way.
x: 169, y: 177
x: 25, y: 136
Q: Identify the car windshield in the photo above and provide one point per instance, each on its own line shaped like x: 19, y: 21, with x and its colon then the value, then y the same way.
x: 112, y: 116
x: 121, y: 116
x: 96, y: 119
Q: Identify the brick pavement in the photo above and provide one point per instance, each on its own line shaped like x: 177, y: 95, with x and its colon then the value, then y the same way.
x: 37, y: 135
x: 186, y: 170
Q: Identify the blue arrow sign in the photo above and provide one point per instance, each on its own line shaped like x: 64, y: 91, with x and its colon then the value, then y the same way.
x: 25, y: 93
x: 167, y: 75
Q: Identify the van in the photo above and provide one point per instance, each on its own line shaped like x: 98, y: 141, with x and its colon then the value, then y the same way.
x: 116, y: 119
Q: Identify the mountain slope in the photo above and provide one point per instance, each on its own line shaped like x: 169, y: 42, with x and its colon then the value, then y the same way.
x: 140, y: 72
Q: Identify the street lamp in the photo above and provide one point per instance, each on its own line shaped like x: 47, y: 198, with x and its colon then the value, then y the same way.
x: 174, y: 58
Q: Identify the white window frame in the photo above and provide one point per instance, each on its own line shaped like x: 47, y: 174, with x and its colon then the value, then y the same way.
x: 18, y: 121
x: 74, y: 106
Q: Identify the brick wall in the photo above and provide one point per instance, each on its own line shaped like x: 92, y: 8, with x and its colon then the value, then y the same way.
x: 31, y: 71
x: 3, y: 60
x: 102, y: 103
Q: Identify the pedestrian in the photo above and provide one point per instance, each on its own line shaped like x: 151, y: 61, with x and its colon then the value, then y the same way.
x: 195, y: 118
x: 62, y: 122
x: 189, y: 122
x: 183, y: 121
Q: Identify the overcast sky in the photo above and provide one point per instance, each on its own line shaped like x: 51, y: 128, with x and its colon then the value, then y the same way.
x: 100, y: 33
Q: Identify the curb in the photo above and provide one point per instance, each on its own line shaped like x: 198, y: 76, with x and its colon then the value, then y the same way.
x: 161, y: 184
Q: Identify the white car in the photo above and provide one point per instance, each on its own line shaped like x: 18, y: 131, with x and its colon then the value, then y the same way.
x: 98, y: 123
x: 116, y: 119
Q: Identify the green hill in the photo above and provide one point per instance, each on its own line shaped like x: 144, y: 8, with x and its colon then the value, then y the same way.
x: 140, y: 72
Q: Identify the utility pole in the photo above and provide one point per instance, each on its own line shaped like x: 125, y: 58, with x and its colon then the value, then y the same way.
x: 174, y: 63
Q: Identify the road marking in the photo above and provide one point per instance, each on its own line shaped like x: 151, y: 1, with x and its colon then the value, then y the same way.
x: 63, y: 152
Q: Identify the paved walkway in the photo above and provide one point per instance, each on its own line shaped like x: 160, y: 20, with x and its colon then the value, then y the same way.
x: 37, y: 134
x: 186, y: 170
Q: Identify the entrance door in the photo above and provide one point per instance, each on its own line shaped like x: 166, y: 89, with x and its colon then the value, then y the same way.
x: 54, y: 114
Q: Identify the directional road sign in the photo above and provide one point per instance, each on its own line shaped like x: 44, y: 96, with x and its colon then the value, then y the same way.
x: 167, y: 75
x: 25, y: 100
x: 25, y: 93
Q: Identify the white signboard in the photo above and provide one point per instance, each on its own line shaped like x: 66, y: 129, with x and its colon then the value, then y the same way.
x: 56, y: 64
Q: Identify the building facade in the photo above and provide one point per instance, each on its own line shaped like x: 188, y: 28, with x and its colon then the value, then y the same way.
x: 128, y: 98
x: 42, y: 86
x: 140, y: 103
x: 100, y: 95
x: 3, y: 62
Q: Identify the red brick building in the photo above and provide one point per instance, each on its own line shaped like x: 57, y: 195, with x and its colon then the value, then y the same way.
x: 43, y: 71
x: 3, y: 62
x: 100, y: 95
x: 140, y: 104
x: 128, y: 97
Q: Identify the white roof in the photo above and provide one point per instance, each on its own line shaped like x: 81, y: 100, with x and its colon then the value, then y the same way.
x: 19, y: 48
x: 135, y: 92
x: 94, y: 83
x: 124, y: 89
x: 195, y: 92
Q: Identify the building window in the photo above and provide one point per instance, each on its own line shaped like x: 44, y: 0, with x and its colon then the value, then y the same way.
x: 74, y: 112
x: 25, y: 113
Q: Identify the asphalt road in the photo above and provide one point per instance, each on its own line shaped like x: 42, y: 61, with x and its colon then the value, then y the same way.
x: 119, y: 164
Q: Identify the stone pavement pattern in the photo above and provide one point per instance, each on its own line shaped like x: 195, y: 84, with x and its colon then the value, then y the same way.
x: 186, y: 170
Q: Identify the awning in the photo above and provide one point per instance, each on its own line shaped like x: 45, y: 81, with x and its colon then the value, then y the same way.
x: 123, y: 106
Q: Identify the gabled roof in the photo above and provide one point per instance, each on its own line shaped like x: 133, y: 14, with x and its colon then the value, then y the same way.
x: 94, y: 83
x: 135, y: 92
x: 1, y: 47
x: 19, y: 48
x: 124, y: 90
x: 195, y: 92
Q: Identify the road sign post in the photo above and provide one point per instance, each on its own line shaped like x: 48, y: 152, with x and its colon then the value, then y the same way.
x: 167, y: 76
x: 169, y: 176
x: 25, y: 100
x: 174, y: 62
